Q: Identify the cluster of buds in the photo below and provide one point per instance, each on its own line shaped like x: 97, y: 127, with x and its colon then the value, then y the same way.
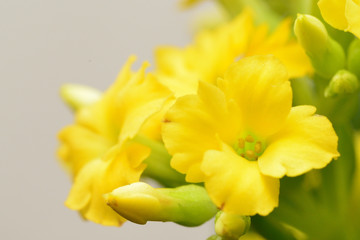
x: 328, y: 56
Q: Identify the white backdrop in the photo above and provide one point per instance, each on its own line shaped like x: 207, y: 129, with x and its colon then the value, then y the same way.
x: 43, y: 44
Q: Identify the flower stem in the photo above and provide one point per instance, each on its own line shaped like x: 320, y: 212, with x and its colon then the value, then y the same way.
x: 158, y: 164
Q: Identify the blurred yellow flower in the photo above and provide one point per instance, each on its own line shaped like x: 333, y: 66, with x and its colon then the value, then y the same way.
x: 215, y: 50
x: 189, y: 3
x: 241, y: 136
x: 97, y: 149
x: 342, y: 14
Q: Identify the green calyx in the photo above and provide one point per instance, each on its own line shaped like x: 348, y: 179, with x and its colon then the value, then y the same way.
x: 326, y: 55
x: 187, y: 205
x: 158, y: 163
x: 231, y: 226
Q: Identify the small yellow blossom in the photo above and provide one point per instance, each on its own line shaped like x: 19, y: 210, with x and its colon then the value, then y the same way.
x: 242, y: 135
x: 215, y: 50
x: 97, y: 149
x: 342, y: 14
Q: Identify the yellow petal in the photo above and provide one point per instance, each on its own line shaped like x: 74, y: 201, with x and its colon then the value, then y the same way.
x: 79, y: 146
x: 213, y: 51
x: 152, y: 126
x: 263, y: 44
x: 305, y: 142
x: 352, y: 13
x: 173, y: 72
x: 193, y: 125
x: 333, y: 11
x: 237, y: 186
x: 117, y: 116
x: 296, y: 66
x: 101, y: 117
x: 342, y: 14
x: 281, y: 45
x: 143, y: 99
x: 206, y: 59
x: 261, y: 88
x: 122, y: 166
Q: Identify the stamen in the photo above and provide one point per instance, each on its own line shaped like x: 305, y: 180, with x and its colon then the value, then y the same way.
x: 258, y: 147
x: 250, y: 154
x: 249, y: 147
x: 249, y: 139
x: 241, y: 143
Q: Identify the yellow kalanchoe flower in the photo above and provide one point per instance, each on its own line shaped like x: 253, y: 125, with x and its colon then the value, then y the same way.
x: 342, y: 14
x: 215, y: 50
x: 241, y: 136
x: 97, y: 149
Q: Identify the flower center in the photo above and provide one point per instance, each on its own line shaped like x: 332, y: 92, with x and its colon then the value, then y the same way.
x: 249, y: 147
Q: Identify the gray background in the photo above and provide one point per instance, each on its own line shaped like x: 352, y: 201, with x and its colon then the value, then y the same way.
x: 43, y: 44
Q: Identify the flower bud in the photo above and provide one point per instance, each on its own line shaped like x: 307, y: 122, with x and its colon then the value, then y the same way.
x: 187, y: 205
x: 326, y: 55
x: 231, y: 226
x: 354, y: 57
x: 78, y: 96
x: 214, y: 237
x: 343, y: 82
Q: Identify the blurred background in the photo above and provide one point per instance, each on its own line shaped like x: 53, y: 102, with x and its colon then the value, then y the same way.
x: 44, y: 44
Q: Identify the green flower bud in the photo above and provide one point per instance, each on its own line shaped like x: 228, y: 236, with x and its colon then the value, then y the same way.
x: 187, y: 205
x: 354, y: 57
x: 231, y: 226
x: 326, y: 55
x: 214, y: 237
x: 343, y: 82
x: 78, y: 96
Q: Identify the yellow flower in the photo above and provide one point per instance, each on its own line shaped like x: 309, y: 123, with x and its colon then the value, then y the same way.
x: 215, y: 50
x: 241, y: 136
x: 122, y: 165
x: 97, y: 149
x: 342, y: 14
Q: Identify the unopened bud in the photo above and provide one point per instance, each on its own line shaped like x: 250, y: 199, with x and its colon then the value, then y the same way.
x: 343, y: 82
x: 326, y: 55
x: 187, y: 205
x: 231, y: 226
x: 78, y: 96
x: 215, y: 237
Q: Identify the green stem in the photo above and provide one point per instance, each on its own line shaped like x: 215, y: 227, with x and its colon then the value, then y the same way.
x: 271, y: 229
x: 303, y: 92
x: 158, y: 164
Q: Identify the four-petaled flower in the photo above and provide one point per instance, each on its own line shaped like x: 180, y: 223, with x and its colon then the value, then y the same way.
x: 213, y: 51
x: 98, y: 149
x: 242, y: 135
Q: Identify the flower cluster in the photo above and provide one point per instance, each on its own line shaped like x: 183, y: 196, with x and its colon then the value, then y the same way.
x: 241, y: 124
